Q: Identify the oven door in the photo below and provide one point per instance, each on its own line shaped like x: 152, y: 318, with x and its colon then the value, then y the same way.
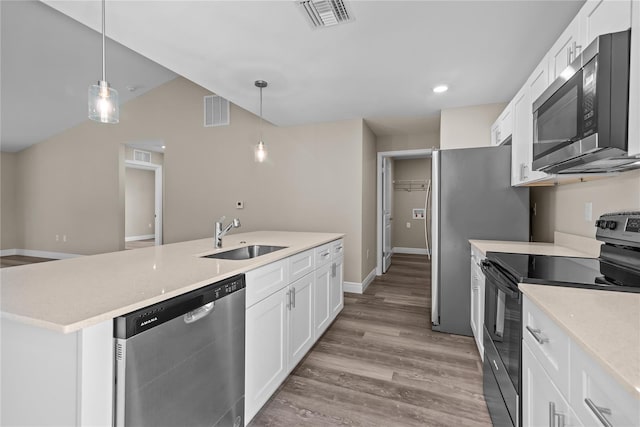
x: 503, y: 337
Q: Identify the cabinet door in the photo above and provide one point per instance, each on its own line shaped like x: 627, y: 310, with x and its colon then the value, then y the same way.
x: 337, y: 295
x: 265, y: 280
x: 565, y: 49
x: 266, y: 344
x: 301, y: 326
x: 604, y: 16
x: 506, y: 124
x: 495, y: 133
x: 322, y: 301
x: 520, y: 140
x: 542, y: 403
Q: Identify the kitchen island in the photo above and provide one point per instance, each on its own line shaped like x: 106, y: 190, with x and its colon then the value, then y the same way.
x: 57, y: 318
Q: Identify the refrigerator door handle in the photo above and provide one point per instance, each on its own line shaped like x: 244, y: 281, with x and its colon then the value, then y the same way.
x: 435, y: 223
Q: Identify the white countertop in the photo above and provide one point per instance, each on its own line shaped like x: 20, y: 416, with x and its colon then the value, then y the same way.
x: 72, y: 294
x: 533, y: 248
x: 606, y: 324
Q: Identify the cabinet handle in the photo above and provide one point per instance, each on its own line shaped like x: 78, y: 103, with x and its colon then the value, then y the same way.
x: 599, y: 412
x: 575, y: 47
x: 521, y: 171
x: 553, y: 414
x: 568, y: 55
x: 535, y: 333
x: 325, y: 255
x: 333, y: 270
x: 338, y: 249
x: 293, y: 302
x: 288, y: 300
x: 496, y: 365
x: 524, y: 169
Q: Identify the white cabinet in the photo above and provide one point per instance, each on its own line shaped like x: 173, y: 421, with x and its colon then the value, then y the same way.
x: 561, y: 382
x: 542, y: 402
x: 301, y: 327
x: 477, y: 299
x: 322, y: 301
x: 634, y: 82
x: 604, y: 16
x: 522, y: 141
x: 565, y: 49
x: 503, y: 126
x: 266, y: 344
x: 290, y: 304
x: 337, y: 294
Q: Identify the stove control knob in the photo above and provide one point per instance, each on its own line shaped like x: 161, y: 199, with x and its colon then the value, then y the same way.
x: 611, y: 225
x: 602, y: 224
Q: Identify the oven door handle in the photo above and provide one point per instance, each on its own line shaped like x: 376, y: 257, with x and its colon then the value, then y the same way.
x: 498, y: 280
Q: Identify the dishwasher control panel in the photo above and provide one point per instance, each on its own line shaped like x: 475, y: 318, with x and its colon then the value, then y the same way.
x: 146, y: 318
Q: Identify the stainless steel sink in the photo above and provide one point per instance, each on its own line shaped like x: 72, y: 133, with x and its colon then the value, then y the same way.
x: 245, y: 252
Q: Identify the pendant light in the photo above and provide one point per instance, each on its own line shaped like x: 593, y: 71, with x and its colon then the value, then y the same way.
x: 103, y: 100
x: 261, y: 150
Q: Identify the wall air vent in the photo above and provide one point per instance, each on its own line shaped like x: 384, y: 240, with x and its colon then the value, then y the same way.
x: 325, y: 13
x: 142, y: 156
x: 216, y: 111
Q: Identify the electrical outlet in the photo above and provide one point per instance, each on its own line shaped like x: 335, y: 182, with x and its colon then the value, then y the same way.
x: 367, y: 253
x: 239, y: 204
x: 408, y: 225
x: 57, y: 237
x: 64, y: 237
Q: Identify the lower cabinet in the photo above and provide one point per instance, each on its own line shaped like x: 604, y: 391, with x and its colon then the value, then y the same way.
x: 283, y: 326
x: 542, y: 404
x: 301, y: 326
x: 266, y: 344
x: 322, y: 301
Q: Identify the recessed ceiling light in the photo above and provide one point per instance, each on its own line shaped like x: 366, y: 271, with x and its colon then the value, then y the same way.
x: 440, y: 88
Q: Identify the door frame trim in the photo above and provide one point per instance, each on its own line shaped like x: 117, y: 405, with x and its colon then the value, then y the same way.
x: 401, y: 154
x: 134, y: 164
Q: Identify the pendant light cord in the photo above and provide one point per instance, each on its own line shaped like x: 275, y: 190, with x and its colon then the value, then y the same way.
x: 104, y: 65
x: 260, y: 126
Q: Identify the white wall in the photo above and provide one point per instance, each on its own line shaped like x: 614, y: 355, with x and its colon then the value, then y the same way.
x: 405, y: 201
x: 468, y: 127
x: 140, y: 187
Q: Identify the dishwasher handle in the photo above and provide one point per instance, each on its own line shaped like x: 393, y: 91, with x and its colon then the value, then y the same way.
x: 199, y: 313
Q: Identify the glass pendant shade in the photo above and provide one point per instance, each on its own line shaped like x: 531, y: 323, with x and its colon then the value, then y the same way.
x: 103, y: 103
x: 260, y: 152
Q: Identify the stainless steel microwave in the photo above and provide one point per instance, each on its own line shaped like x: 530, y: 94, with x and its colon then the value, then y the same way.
x: 580, y: 123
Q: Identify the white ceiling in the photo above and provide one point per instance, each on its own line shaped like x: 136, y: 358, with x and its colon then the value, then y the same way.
x: 48, y: 62
x: 384, y: 64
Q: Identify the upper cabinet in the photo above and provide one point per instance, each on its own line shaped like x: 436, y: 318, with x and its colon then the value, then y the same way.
x: 603, y: 16
x: 595, y: 18
x: 503, y: 126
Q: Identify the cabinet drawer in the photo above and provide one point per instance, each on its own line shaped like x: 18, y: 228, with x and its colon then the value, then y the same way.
x: 323, y: 255
x: 265, y: 280
x: 548, y: 343
x: 337, y: 249
x: 301, y: 264
x: 604, y: 393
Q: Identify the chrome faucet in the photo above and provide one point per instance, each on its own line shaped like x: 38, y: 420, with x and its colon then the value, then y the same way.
x: 222, y: 231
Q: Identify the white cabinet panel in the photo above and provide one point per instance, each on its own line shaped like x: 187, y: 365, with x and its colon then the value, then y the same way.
x: 301, y: 264
x: 604, y: 16
x: 337, y: 249
x: 265, y: 280
x: 323, y: 255
x: 548, y: 343
x: 565, y: 49
x: 337, y: 293
x: 301, y: 326
x: 477, y: 300
x: 542, y: 402
x: 266, y: 344
x: 593, y: 390
x: 322, y: 302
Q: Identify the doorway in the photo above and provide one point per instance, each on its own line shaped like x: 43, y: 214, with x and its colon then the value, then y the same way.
x: 387, y: 217
x: 143, y: 204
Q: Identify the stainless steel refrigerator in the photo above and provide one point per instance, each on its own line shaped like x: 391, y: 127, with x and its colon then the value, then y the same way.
x: 472, y: 199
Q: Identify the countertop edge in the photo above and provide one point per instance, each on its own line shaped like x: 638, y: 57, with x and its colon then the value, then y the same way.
x: 67, y: 328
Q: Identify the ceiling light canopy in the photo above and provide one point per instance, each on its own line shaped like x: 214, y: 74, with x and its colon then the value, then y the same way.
x: 103, y: 99
x: 441, y: 88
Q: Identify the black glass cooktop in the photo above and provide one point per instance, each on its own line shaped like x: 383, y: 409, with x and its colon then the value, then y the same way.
x: 566, y: 271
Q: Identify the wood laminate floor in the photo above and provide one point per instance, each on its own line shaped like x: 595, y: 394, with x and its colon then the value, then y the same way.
x: 379, y: 364
x: 15, y: 260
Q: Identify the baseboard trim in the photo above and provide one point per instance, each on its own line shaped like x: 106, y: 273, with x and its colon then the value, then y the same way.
x: 359, y: 288
x: 412, y: 251
x: 38, y: 254
x: 143, y: 237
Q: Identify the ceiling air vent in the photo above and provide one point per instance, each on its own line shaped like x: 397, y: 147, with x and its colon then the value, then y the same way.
x: 216, y: 111
x: 325, y: 13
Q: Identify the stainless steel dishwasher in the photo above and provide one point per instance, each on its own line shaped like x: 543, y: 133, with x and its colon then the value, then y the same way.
x: 181, y: 362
